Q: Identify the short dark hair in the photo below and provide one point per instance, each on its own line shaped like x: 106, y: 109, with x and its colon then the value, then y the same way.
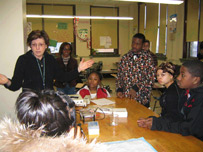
x: 140, y: 36
x: 195, y: 68
x: 97, y: 73
x: 53, y: 110
x: 38, y: 34
x: 63, y: 46
x: 147, y: 41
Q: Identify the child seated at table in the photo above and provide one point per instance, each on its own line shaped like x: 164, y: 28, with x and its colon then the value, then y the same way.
x: 47, y: 121
x: 191, y: 104
x: 94, y: 87
x: 166, y: 72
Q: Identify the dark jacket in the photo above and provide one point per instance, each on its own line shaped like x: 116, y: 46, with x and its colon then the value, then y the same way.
x: 192, y: 110
x: 72, y: 64
x: 27, y: 73
x: 169, y: 102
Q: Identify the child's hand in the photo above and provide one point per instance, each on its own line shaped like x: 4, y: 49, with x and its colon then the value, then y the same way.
x: 141, y: 122
x: 145, y: 122
x: 120, y: 95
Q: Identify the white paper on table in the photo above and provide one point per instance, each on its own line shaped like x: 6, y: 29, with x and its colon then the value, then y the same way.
x: 102, y: 101
x: 131, y: 145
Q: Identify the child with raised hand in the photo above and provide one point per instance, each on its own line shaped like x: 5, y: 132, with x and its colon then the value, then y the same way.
x: 94, y: 87
x: 191, y: 104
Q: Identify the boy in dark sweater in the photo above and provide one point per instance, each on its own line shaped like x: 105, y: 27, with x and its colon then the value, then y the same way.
x: 191, y: 104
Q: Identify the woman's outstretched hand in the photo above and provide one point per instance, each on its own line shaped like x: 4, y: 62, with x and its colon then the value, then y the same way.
x: 83, y: 65
x: 4, y: 80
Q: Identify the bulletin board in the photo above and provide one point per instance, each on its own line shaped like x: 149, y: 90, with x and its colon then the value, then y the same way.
x: 59, y: 29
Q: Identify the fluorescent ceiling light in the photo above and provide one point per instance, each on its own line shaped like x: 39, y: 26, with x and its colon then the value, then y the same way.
x: 177, y: 2
x: 80, y: 17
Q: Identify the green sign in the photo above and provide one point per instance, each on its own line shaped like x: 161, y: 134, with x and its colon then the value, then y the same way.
x: 52, y: 43
x: 62, y: 25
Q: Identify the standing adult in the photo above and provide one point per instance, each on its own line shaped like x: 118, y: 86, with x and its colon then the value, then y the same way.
x: 136, y: 73
x: 146, y: 47
x: 36, y: 69
x: 67, y: 63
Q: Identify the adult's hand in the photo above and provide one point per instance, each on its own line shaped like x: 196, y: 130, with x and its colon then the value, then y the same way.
x: 83, y: 65
x: 4, y: 80
x: 120, y: 94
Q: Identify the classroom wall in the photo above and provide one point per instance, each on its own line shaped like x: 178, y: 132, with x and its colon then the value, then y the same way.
x: 13, y: 43
x: 12, y: 20
x: 175, y: 40
x: 126, y: 30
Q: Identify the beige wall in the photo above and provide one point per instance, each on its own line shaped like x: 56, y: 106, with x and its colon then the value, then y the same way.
x: 12, y: 45
x: 126, y: 31
x: 175, y: 41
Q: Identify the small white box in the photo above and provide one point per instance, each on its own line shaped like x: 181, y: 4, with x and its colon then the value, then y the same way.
x: 93, y: 128
x: 121, y: 112
x: 78, y: 100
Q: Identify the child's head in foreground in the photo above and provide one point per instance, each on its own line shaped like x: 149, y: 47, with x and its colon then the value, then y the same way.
x: 54, y: 110
x: 191, y: 74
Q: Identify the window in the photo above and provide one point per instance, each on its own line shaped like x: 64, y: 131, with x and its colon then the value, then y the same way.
x: 194, y: 27
x: 192, y: 47
x: 104, y: 33
x: 153, y: 24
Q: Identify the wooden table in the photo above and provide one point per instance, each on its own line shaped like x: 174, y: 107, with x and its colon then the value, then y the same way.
x: 161, y: 141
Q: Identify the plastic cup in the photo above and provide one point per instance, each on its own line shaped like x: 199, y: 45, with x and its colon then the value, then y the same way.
x: 113, y: 119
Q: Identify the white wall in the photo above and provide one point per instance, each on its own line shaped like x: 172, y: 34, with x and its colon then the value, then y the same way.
x: 12, y: 20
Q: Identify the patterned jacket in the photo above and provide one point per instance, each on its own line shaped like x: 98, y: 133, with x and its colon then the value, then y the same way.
x: 136, y: 71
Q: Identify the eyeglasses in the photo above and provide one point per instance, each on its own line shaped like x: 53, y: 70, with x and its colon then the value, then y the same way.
x: 66, y: 49
x: 38, y: 45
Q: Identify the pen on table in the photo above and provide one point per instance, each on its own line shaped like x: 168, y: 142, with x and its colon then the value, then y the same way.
x: 81, y: 129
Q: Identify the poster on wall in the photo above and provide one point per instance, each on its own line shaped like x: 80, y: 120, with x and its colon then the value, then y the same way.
x: 105, y: 41
x: 173, y: 23
x: 29, y: 27
x: 83, y: 33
